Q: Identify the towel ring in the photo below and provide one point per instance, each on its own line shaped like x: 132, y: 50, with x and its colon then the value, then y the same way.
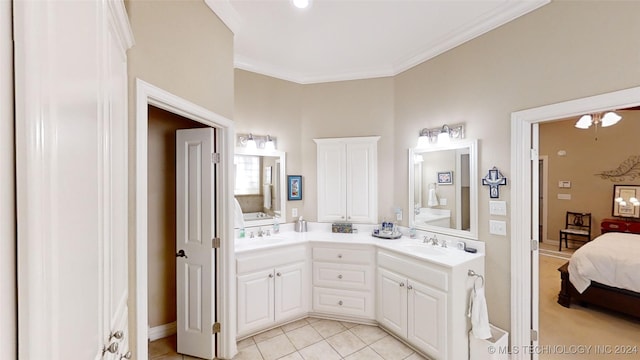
x: 473, y: 273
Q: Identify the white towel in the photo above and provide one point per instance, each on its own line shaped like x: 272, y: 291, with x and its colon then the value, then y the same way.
x: 238, y: 216
x: 433, y: 198
x: 478, y: 314
x: 267, y: 196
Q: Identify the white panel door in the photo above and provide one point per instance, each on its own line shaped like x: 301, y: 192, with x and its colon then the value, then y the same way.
x: 361, y: 182
x: 255, y: 300
x: 427, y: 319
x: 291, y: 291
x: 392, y: 301
x: 332, y: 201
x: 195, y: 229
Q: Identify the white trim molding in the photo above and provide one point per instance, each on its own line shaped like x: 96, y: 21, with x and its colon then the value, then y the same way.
x: 521, y: 214
x: 147, y: 94
x: 162, y: 331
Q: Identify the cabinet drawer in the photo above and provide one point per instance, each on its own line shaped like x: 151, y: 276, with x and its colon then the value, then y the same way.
x: 345, y: 276
x: 348, y: 256
x: 343, y: 302
x: 270, y: 258
x: 428, y: 274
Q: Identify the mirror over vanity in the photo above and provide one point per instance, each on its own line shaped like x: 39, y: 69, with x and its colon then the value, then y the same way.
x: 443, y: 188
x: 260, y: 185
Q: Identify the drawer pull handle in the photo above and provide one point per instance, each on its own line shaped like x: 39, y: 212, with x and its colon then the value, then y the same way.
x: 409, y: 287
x: 401, y: 284
x: 279, y: 274
x: 340, y: 302
x: 270, y: 275
x: 339, y: 256
x: 339, y: 276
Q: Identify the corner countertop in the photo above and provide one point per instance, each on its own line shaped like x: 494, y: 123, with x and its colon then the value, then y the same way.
x: 447, y: 257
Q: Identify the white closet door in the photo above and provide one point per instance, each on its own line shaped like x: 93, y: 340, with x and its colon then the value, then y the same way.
x: 195, y: 229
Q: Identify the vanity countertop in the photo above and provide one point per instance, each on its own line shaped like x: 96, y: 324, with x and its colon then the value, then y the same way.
x: 448, y: 257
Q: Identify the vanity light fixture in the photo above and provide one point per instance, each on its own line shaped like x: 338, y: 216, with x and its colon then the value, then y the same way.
x: 442, y: 135
x: 250, y: 141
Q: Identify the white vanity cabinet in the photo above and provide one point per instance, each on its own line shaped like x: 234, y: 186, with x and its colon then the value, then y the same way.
x: 344, y: 281
x: 272, y: 287
x: 347, y: 179
x: 424, y: 303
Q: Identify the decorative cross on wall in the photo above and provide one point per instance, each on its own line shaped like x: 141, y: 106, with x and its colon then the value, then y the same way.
x: 494, y: 179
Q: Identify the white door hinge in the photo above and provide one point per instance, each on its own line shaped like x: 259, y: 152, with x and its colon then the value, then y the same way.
x: 534, y: 154
x: 534, y: 335
x: 215, y: 158
x: 215, y: 328
x: 534, y: 245
x: 215, y: 243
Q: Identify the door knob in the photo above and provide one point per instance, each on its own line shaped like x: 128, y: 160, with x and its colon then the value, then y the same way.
x: 181, y: 253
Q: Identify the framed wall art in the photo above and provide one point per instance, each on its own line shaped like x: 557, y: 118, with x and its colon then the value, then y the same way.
x: 294, y: 187
x: 625, y: 201
x: 445, y: 177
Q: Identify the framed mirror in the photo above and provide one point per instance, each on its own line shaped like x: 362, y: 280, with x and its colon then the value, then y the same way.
x: 443, y: 189
x: 260, y: 185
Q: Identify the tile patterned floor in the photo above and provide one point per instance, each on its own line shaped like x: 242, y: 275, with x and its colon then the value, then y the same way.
x: 308, y: 339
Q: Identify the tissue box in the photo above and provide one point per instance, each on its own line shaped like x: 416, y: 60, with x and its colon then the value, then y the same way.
x: 342, y: 228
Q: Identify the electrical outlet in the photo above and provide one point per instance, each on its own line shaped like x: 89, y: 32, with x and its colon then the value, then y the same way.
x: 399, y: 215
x: 294, y: 212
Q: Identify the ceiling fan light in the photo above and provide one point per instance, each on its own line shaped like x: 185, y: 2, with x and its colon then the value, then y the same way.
x: 584, y: 122
x: 610, y: 118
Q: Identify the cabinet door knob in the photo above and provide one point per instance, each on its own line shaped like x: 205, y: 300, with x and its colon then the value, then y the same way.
x: 112, y: 348
x: 339, y: 256
x: 127, y: 355
x: 116, y: 334
x: 340, y: 276
x: 270, y: 275
x: 401, y: 284
x: 340, y: 302
x: 279, y: 274
x: 409, y: 287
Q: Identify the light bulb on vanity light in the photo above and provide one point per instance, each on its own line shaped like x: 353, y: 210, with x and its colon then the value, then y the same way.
x: 269, y: 144
x: 251, y: 143
x: 444, y: 137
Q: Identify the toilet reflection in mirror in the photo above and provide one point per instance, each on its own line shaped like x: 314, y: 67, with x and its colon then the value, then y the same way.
x: 444, y: 204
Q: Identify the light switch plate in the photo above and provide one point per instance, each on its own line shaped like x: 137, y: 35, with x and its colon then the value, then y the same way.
x: 498, y: 208
x: 564, y: 196
x: 498, y: 227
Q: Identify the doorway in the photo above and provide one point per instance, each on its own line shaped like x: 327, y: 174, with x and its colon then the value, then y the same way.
x: 147, y: 94
x: 524, y: 211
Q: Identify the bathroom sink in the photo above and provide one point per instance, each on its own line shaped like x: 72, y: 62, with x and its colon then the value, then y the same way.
x: 424, y: 249
x: 265, y: 240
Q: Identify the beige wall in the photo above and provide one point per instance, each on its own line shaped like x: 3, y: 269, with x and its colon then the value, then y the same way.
x: 585, y: 157
x: 183, y: 48
x: 545, y: 57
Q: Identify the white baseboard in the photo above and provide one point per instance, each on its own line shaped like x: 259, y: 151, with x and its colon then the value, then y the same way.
x: 162, y: 331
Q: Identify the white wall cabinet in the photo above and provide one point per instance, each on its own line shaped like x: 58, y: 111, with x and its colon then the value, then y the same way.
x: 344, y: 281
x: 272, y: 288
x: 424, y: 303
x: 347, y: 179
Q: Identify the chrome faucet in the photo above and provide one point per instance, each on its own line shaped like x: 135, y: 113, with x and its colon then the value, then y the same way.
x: 433, y: 240
x: 260, y: 232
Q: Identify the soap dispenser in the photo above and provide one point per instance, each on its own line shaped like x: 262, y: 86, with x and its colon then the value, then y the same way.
x: 276, y: 225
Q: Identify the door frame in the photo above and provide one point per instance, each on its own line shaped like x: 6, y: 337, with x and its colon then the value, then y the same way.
x: 148, y: 94
x: 522, y: 142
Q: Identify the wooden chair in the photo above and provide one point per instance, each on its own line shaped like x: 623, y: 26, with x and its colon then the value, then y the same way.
x: 577, y: 228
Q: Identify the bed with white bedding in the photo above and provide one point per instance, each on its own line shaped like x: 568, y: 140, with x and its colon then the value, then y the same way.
x: 606, y: 270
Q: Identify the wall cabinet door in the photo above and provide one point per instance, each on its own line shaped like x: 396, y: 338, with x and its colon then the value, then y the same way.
x: 392, y: 302
x: 255, y: 300
x: 291, y: 297
x: 427, y: 319
x: 347, y: 179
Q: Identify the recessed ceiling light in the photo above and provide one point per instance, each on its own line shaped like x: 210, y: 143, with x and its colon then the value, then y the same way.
x: 301, y: 4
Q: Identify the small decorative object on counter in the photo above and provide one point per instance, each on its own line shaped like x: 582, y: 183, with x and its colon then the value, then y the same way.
x: 301, y: 225
x: 241, y: 233
x: 412, y: 232
x: 276, y: 225
x: 346, y: 228
x: 388, y: 231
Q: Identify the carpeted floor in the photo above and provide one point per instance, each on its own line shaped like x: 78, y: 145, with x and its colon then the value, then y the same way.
x: 580, y: 333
